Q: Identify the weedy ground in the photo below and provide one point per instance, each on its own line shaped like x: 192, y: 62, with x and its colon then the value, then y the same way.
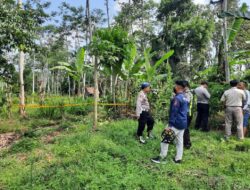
x: 68, y: 155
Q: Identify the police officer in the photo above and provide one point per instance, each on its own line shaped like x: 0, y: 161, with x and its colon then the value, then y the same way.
x: 143, y: 113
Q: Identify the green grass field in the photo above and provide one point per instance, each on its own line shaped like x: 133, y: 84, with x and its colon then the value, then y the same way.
x: 70, y: 156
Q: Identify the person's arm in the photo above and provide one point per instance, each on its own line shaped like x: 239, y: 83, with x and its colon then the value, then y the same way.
x: 207, y: 94
x: 223, y: 99
x: 248, y: 99
x: 174, y: 111
x: 138, y: 105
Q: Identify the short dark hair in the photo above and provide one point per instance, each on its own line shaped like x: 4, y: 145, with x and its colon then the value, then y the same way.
x: 234, y: 83
x: 204, y: 83
x: 186, y: 83
x: 180, y: 83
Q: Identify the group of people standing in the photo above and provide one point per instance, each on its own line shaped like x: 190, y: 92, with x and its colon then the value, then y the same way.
x: 237, y: 109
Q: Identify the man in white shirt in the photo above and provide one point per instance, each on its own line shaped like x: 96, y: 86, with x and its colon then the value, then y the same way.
x: 143, y: 113
x: 246, y: 106
x: 203, y: 97
x: 233, y: 100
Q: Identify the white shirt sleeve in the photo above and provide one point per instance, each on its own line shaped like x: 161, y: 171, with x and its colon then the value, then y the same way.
x: 223, y: 98
x: 138, y: 105
x: 207, y: 94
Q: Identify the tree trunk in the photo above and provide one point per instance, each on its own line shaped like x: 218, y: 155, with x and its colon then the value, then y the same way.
x: 227, y: 69
x: 95, y: 95
x: 69, y: 86
x: 113, y: 88
x: 107, y: 9
x: 33, y: 82
x: 22, y: 92
x: 74, y: 87
x: 79, y: 88
x: 21, y: 68
x: 84, y: 85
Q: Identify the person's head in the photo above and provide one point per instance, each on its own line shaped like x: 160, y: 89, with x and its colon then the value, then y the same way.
x: 246, y: 85
x: 234, y: 83
x: 186, y: 84
x: 204, y: 84
x: 179, y: 86
x: 146, y: 87
x: 241, y: 85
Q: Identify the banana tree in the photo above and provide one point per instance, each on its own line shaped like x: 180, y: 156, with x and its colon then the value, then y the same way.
x: 151, y: 70
x: 74, y: 70
x: 241, y: 56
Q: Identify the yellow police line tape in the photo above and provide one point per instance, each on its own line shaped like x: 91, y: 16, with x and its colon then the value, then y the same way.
x: 68, y: 105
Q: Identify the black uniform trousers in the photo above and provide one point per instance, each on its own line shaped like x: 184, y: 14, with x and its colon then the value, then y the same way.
x: 202, y: 117
x: 145, y: 119
x: 186, y: 137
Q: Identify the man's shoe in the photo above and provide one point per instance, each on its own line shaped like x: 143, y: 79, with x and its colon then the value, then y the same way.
x: 188, y: 146
x: 159, y: 160
x: 141, y: 140
x: 176, y: 161
x: 150, y: 135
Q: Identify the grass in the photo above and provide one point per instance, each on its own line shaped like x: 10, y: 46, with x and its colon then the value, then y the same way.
x: 112, y: 159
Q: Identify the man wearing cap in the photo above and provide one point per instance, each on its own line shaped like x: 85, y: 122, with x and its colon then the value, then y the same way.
x: 189, y: 97
x: 233, y: 99
x: 246, y: 106
x: 203, y: 97
x: 143, y: 113
x: 177, y: 123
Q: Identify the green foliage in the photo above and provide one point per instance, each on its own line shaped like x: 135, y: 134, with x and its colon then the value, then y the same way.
x: 110, y: 46
x: 216, y: 90
x: 187, y: 28
x: 19, y: 25
x: 236, y: 25
x: 74, y: 70
x: 161, y: 99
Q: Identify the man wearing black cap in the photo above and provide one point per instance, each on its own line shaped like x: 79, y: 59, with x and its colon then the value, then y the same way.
x: 177, y: 124
x: 189, y: 97
x: 143, y: 113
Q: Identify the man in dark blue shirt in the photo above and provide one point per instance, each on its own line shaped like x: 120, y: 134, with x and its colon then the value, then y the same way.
x: 177, y: 123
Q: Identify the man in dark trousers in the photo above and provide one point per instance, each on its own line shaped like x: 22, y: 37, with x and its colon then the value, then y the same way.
x: 189, y: 97
x: 177, y: 124
x: 143, y: 113
x: 203, y: 97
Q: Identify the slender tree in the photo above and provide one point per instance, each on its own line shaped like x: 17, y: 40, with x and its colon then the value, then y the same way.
x: 21, y: 69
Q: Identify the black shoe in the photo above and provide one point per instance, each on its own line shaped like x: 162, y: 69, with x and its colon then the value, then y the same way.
x: 205, y: 130
x: 176, y: 161
x: 187, y: 146
x: 159, y: 160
